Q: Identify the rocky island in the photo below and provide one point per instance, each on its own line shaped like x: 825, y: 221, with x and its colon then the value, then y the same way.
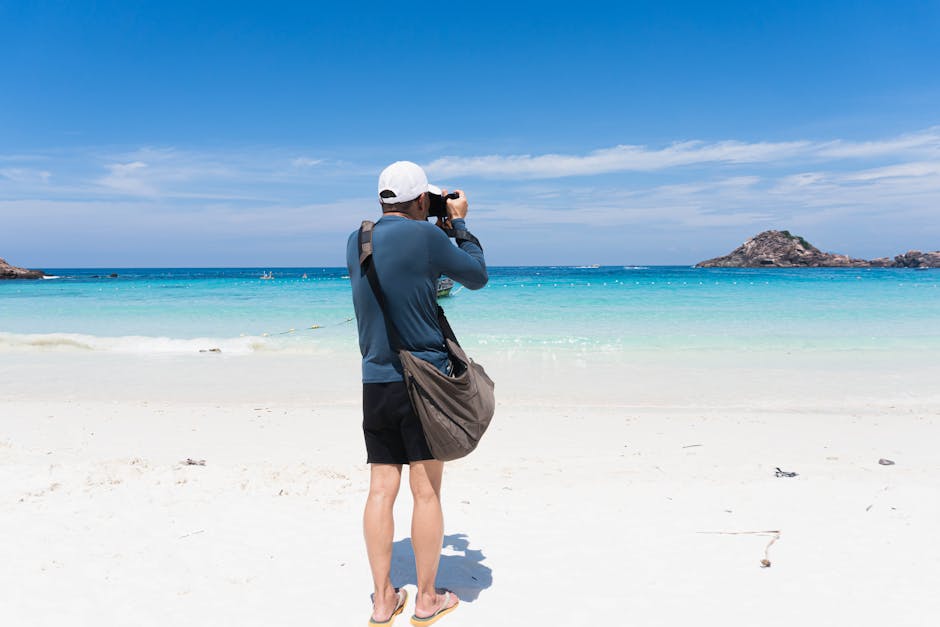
x: 781, y: 249
x: 12, y: 272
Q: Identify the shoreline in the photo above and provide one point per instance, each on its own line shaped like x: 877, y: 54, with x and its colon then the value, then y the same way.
x: 525, y: 376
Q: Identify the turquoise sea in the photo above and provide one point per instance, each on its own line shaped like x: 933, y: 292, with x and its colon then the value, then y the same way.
x: 617, y: 308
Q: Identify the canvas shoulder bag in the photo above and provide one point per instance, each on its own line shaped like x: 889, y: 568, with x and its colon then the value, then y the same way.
x: 455, y: 409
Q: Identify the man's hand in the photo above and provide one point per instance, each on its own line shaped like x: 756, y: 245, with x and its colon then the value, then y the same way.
x: 457, y: 207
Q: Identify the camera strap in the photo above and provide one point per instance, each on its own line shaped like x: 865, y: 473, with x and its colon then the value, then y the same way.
x: 463, y: 235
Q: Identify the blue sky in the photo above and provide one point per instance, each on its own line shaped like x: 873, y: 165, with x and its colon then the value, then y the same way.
x: 214, y: 134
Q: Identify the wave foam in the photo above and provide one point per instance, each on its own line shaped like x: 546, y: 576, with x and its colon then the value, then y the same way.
x: 133, y: 344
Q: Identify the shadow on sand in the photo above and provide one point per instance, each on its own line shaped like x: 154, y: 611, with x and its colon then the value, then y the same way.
x: 461, y: 569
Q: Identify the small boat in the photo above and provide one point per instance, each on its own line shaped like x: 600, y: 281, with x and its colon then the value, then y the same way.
x: 304, y: 276
x: 444, y: 286
x: 267, y: 276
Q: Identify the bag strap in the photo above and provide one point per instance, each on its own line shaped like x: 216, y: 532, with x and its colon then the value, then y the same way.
x: 367, y: 266
x: 446, y: 331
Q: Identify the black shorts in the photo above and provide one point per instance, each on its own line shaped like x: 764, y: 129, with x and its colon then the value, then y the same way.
x: 392, y: 429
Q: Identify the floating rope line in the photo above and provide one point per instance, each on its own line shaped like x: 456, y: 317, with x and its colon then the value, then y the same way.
x: 310, y: 328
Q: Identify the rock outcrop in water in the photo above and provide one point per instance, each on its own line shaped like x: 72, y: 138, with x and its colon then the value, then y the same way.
x: 781, y: 249
x: 917, y: 259
x: 12, y: 272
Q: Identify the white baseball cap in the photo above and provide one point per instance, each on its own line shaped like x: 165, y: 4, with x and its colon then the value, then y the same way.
x: 406, y: 181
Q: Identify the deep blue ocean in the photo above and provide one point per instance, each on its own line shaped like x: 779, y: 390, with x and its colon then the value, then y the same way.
x: 613, y: 308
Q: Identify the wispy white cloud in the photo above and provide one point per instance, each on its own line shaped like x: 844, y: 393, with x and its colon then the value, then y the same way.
x: 305, y: 162
x: 25, y: 175
x: 171, y: 172
x: 22, y: 158
x: 129, y: 178
x: 908, y: 194
x: 799, y: 180
x: 622, y: 158
x: 140, y: 219
x: 921, y: 143
x: 164, y: 171
x: 901, y: 170
x: 637, y: 158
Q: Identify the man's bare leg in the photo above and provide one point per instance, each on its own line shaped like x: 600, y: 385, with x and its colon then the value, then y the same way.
x: 378, y: 526
x: 427, y: 533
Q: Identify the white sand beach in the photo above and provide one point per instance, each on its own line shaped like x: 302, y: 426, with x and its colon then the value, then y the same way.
x: 614, y: 489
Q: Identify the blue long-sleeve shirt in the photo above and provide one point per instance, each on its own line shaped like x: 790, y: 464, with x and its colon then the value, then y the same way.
x: 409, y: 256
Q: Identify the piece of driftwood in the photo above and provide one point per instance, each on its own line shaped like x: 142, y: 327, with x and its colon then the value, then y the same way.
x: 774, y: 536
x: 189, y: 461
x: 186, y: 535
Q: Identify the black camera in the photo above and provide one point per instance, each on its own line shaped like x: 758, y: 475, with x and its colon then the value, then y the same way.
x: 438, y: 208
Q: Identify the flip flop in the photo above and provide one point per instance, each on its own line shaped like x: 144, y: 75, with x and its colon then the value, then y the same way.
x: 402, y: 599
x: 430, y: 620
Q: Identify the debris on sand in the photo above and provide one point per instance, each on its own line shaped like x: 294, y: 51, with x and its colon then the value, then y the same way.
x: 774, y: 535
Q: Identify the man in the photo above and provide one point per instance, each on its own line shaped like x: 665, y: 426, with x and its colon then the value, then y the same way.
x: 409, y: 255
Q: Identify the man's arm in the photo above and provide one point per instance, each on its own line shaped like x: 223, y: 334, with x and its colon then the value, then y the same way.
x: 465, y: 264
